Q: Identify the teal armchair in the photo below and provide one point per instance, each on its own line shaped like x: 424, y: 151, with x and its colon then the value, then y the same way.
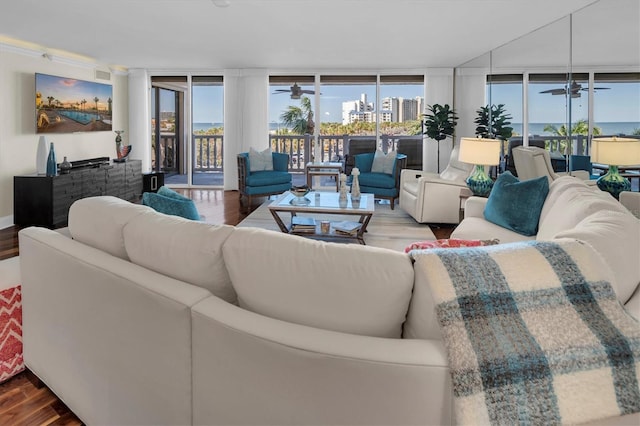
x: 263, y: 183
x: 382, y: 185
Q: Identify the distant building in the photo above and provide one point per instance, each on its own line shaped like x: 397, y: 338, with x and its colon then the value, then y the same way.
x: 358, y: 111
x: 401, y: 109
x: 393, y: 109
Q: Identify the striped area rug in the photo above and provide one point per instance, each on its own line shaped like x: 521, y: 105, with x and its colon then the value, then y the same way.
x: 392, y: 229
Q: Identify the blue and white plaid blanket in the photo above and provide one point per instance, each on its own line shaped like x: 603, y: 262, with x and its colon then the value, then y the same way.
x: 534, y: 334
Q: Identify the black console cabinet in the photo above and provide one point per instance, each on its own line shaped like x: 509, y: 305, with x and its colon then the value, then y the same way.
x: 45, y: 200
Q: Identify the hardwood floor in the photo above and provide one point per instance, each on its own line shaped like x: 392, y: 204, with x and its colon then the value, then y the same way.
x: 21, y: 401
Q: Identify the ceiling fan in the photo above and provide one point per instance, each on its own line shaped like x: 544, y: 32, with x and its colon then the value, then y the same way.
x: 575, y: 89
x: 295, y: 90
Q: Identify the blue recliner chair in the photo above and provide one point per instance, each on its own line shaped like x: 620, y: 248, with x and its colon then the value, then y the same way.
x: 582, y: 162
x: 263, y: 183
x: 381, y: 185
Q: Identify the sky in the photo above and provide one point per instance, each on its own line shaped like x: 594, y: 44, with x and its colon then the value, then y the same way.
x: 620, y: 103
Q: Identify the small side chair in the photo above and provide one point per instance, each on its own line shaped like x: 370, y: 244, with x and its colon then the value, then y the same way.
x: 263, y: 183
x: 381, y: 185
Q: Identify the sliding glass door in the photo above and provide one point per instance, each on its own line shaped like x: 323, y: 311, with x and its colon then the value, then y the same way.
x: 187, y: 129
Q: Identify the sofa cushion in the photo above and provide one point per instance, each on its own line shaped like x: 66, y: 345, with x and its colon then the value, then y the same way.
x: 516, y: 204
x: 170, y: 204
x: 616, y: 237
x: 265, y: 178
x: 186, y: 250
x: 98, y: 222
x: 377, y: 180
x: 340, y: 287
x: 571, y: 202
x: 260, y: 160
x: 476, y: 228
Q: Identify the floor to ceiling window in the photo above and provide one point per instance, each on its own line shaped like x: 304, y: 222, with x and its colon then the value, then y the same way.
x: 616, y: 109
x: 187, y: 129
x: 346, y: 107
x: 207, y: 116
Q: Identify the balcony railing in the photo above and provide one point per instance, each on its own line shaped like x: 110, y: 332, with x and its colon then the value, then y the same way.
x: 208, y: 149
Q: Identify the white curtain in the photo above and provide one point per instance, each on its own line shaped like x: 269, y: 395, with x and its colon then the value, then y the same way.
x: 140, y: 117
x: 246, y: 96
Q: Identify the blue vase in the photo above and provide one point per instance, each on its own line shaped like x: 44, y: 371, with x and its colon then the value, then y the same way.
x: 52, y: 166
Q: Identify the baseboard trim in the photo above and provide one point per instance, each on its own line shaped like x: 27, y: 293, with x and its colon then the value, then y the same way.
x: 6, y: 221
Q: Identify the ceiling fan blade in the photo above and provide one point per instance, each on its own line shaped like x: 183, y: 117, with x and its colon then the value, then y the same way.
x: 310, y: 92
x: 601, y: 88
x: 282, y: 90
x: 555, y: 91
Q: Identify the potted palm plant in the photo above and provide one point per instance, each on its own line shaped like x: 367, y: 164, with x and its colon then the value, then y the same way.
x: 499, y: 127
x: 439, y: 123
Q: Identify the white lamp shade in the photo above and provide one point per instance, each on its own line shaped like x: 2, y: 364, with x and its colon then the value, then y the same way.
x: 616, y: 151
x: 479, y: 151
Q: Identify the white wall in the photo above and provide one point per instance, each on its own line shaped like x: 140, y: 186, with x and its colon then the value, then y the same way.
x: 18, y: 138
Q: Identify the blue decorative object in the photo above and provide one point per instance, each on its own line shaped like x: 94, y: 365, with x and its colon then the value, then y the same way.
x: 168, y: 201
x: 479, y: 183
x: 515, y: 204
x: 52, y: 166
x: 613, y: 182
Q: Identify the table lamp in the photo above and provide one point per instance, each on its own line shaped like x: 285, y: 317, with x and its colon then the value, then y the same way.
x: 614, y: 152
x: 480, y: 152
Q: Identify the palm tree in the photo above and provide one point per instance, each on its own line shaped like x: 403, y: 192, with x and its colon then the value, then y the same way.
x: 50, y: 99
x: 96, y: 101
x: 580, y: 127
x: 299, y: 118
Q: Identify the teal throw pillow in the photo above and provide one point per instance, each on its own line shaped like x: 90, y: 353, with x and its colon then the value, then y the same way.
x: 183, y: 206
x: 515, y: 204
x: 168, y: 192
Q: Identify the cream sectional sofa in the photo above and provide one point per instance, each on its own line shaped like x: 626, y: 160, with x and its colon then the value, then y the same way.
x: 573, y: 209
x: 134, y: 317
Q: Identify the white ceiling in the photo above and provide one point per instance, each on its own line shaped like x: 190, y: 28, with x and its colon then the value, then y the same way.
x: 280, y: 34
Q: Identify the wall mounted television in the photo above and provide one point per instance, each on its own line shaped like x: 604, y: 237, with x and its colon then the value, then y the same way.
x: 68, y: 105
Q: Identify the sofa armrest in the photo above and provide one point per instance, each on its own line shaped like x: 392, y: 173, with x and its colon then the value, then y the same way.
x: 409, y: 175
x: 631, y: 200
x: 251, y: 369
x: 474, y: 207
x: 99, y: 328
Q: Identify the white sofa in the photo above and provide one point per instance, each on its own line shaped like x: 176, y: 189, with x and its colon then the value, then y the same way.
x: 143, y: 318
x: 573, y: 209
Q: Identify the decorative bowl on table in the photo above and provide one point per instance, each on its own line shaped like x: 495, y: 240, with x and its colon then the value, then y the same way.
x: 299, y: 193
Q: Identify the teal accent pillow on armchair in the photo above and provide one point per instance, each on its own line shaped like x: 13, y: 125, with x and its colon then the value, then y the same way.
x: 515, y: 204
x: 168, y: 201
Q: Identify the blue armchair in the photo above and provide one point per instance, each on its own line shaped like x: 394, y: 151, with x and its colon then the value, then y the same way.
x: 263, y: 183
x: 380, y: 184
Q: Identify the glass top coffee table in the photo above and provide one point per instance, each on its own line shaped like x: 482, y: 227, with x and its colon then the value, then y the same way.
x: 321, y: 205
